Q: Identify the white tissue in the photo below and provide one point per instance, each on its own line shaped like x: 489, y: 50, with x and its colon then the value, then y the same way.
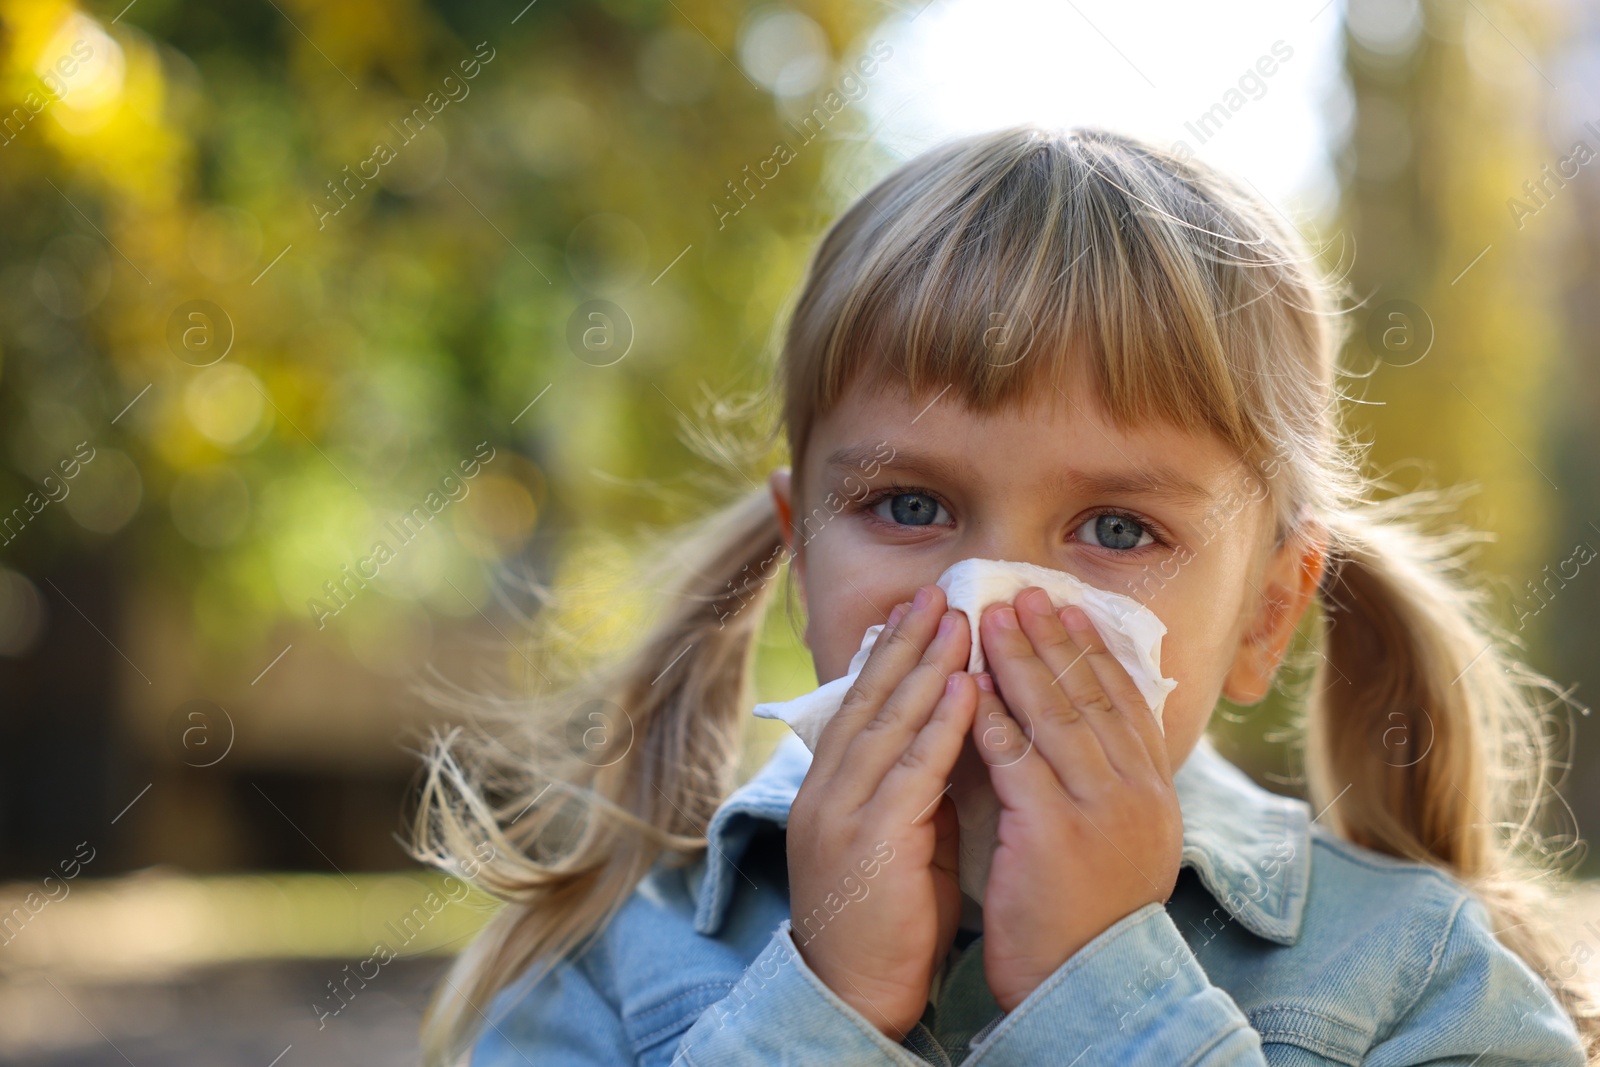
x: 1131, y: 632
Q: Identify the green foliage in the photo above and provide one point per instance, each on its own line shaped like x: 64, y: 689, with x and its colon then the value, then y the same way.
x: 394, y: 212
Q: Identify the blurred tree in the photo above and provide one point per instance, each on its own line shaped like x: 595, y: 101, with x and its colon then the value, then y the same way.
x: 1453, y: 354
x: 1462, y: 332
x: 1570, y: 628
x: 314, y: 288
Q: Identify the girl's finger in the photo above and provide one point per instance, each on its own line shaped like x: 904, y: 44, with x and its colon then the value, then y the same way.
x: 947, y: 836
x: 1058, y: 729
x: 897, y: 649
x: 885, y: 738
x: 1021, y: 777
x: 912, y: 787
x: 1114, y: 679
x: 1070, y: 663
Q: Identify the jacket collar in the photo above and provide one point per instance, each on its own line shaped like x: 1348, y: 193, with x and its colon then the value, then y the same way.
x: 1249, y: 847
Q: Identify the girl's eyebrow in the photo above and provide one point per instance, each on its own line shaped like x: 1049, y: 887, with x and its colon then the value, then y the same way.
x: 852, y: 459
x: 1158, y: 483
x: 1155, y: 482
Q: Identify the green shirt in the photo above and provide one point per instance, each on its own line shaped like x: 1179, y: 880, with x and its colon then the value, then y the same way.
x: 960, y: 1005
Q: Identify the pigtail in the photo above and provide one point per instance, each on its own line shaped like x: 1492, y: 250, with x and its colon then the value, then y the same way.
x: 1427, y: 737
x: 574, y: 799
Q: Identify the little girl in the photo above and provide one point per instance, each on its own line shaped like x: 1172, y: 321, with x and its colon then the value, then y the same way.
x: 1079, y: 351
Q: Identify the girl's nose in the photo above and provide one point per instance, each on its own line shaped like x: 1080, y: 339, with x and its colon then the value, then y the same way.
x: 1012, y: 549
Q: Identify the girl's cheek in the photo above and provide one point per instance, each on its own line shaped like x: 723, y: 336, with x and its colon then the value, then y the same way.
x: 1199, y: 659
x: 1187, y: 711
x: 1164, y: 584
x: 1192, y: 655
x: 833, y: 633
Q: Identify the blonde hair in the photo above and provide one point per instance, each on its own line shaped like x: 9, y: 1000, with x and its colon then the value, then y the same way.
x: 983, y: 266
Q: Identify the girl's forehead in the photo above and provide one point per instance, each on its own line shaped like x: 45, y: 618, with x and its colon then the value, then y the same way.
x: 1051, y: 415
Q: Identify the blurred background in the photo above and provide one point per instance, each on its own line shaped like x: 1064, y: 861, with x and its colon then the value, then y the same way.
x: 333, y: 332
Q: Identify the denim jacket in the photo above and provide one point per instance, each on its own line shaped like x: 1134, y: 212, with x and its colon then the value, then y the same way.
x: 1281, y: 944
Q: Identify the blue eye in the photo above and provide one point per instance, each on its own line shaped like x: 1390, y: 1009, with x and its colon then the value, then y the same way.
x: 1115, y: 531
x: 910, y: 509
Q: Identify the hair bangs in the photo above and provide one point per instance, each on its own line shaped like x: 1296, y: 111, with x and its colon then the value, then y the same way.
x: 1035, y: 265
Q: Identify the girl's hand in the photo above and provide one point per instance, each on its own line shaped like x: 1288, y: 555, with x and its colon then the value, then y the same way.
x: 1089, y: 829
x: 874, y: 896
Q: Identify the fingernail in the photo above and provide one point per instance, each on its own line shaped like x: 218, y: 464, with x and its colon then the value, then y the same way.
x: 920, y: 601
x: 1075, y: 619
x: 897, y: 614
x: 952, y: 682
x: 947, y: 624
x: 985, y: 681
x: 1038, y: 602
x: 1005, y: 618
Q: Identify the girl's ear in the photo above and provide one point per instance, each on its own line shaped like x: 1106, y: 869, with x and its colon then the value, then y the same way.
x: 1288, y: 582
x: 781, y: 484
